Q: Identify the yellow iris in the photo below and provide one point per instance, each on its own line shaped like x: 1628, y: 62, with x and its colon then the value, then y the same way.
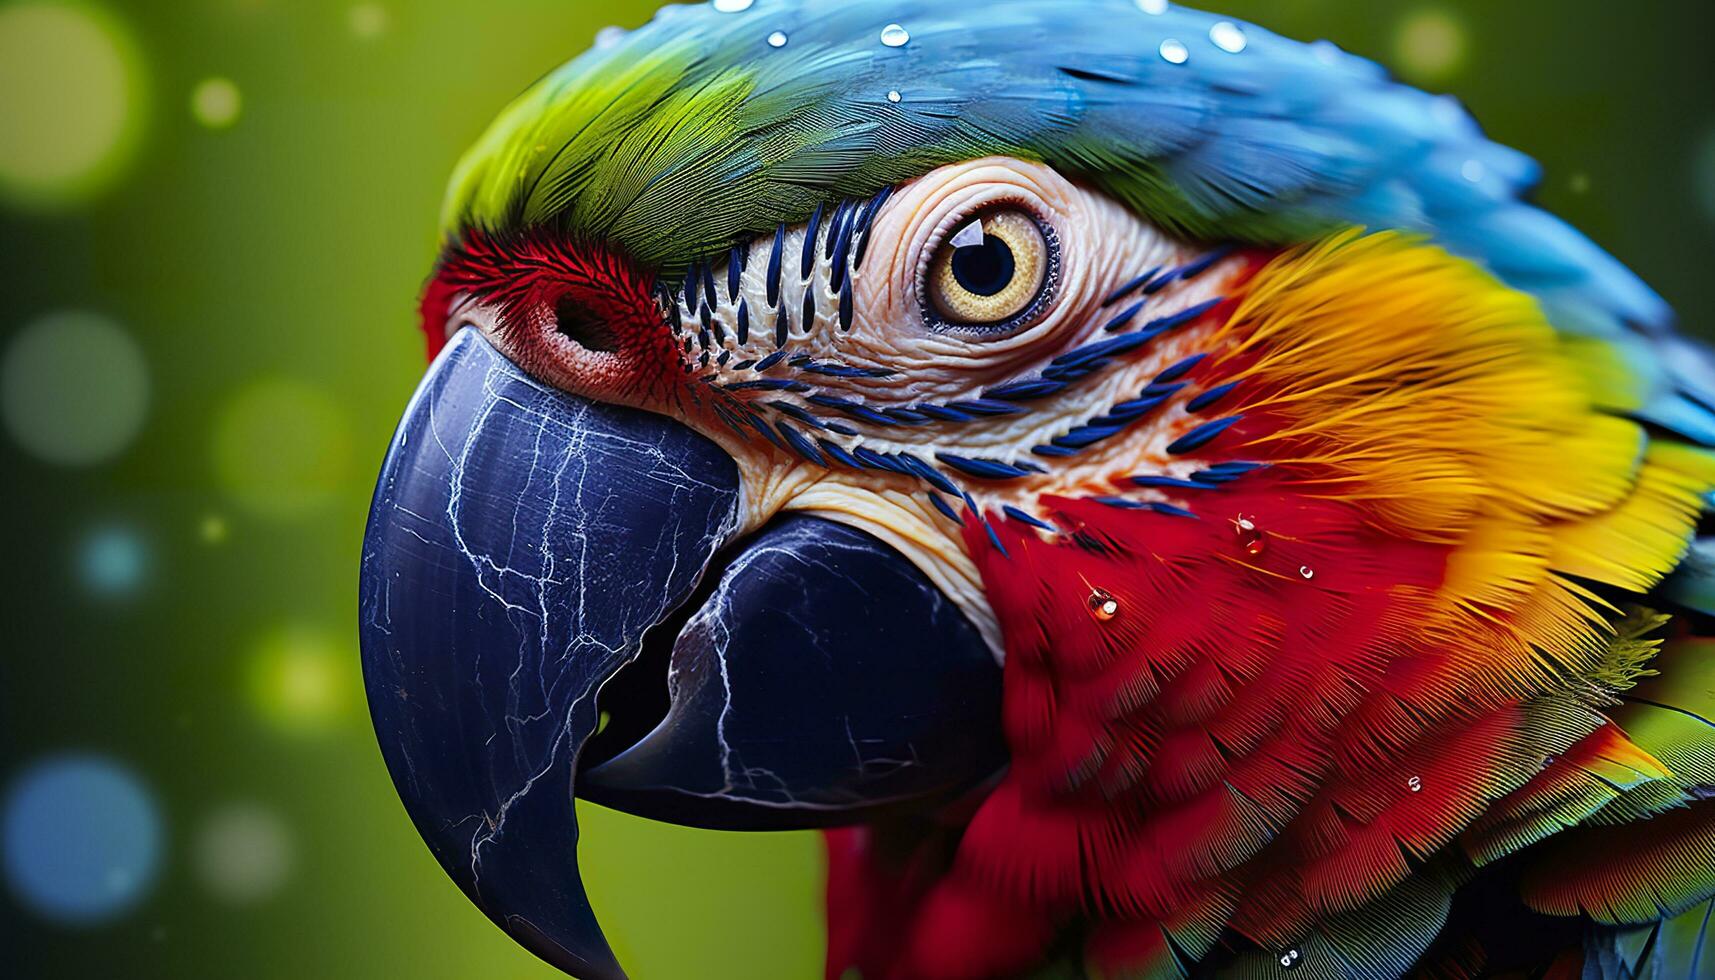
x: 990, y: 270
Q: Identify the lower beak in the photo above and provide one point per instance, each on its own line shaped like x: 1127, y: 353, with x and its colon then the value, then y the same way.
x: 535, y: 561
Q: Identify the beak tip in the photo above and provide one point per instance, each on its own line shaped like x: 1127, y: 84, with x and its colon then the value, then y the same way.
x: 481, y: 654
x: 573, y: 963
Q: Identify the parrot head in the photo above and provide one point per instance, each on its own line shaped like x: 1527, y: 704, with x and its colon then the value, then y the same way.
x: 1165, y: 460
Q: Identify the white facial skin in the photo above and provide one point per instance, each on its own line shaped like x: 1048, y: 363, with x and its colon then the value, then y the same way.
x: 1101, y: 246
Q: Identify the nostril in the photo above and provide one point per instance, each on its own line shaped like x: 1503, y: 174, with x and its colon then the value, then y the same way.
x: 575, y: 321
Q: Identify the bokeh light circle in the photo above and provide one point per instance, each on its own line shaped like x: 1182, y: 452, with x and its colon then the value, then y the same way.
x: 367, y: 21
x: 213, y: 529
x: 282, y: 449
x: 74, y: 388
x: 72, y: 100
x: 82, y: 839
x: 301, y: 680
x: 243, y: 853
x: 217, y: 103
x: 112, y: 561
x: 1703, y: 173
x: 1429, y: 45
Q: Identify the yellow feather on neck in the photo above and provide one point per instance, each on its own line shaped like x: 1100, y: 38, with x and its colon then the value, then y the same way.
x: 1414, y: 383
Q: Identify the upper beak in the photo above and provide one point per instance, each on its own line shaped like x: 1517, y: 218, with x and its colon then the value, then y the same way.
x: 525, y: 545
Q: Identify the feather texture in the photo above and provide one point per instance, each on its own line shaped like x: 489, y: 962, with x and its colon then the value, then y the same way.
x: 1402, y: 654
x: 1371, y: 668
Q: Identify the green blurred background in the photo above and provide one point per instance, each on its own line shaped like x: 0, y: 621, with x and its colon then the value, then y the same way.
x: 214, y: 217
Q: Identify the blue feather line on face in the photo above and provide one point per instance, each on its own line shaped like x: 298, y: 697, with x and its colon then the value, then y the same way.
x: 1182, y: 317
x: 837, y: 370
x: 856, y: 410
x: 944, y: 507
x: 1130, y: 287
x: 935, y: 477
x: 906, y: 416
x: 1201, y: 435
x: 1026, y: 518
x: 800, y: 444
x: 1124, y: 317
x: 944, y: 414
x: 798, y: 412
x: 994, y: 539
x: 866, y: 222
x: 1179, y: 369
x: 839, y: 454
x: 1156, y: 482
x: 1198, y: 266
x: 807, y: 262
x: 766, y: 384
x: 1027, y: 390
x: 1210, y: 397
x: 841, y: 254
x: 775, y: 254
x: 767, y: 433
x: 836, y: 227
x: 982, y: 469
x: 735, y: 268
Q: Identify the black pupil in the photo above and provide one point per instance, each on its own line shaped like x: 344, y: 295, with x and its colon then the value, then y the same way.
x: 983, y: 269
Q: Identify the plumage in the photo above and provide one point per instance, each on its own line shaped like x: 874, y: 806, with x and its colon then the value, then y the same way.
x: 1387, y: 615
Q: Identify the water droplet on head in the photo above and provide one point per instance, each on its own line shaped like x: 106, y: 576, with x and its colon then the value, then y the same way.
x: 1103, y: 605
x: 1472, y: 170
x: 1227, y: 36
x: 1152, y: 6
x: 1306, y: 572
x: 893, y: 96
x: 1174, y: 52
x: 894, y: 36
x: 1416, y: 784
x: 731, y: 6
x: 1291, y: 959
x: 777, y: 39
x: 609, y: 36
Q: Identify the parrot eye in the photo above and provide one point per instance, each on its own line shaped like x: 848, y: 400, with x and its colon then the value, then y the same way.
x: 992, y: 275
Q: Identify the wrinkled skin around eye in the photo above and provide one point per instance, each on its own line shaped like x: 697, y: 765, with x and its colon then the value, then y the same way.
x: 840, y: 374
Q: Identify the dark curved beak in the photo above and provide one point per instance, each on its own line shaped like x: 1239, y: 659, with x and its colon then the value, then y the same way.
x: 535, y: 562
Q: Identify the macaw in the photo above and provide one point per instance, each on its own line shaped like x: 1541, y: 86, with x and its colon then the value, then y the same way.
x: 1153, y: 490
